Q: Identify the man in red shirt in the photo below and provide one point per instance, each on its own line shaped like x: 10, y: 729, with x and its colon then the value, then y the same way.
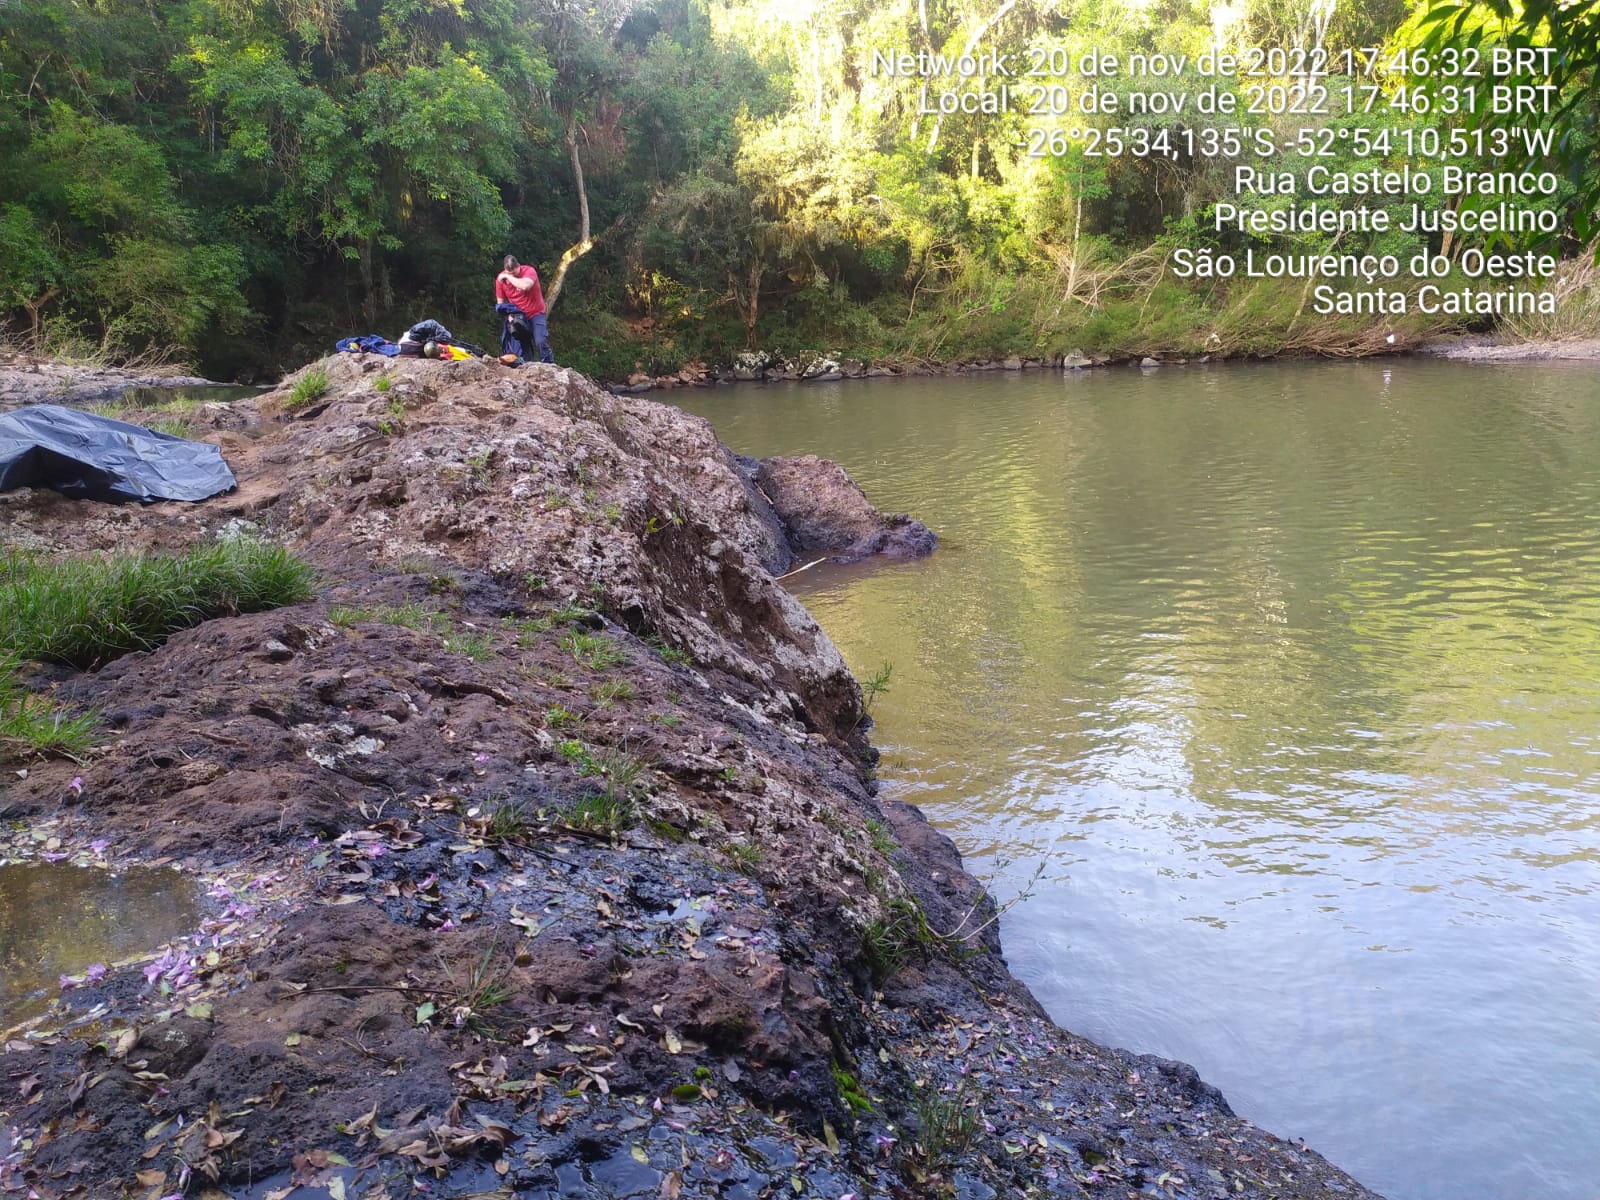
x: 520, y: 301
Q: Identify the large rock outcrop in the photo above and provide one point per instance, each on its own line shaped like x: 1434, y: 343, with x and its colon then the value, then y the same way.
x: 542, y: 854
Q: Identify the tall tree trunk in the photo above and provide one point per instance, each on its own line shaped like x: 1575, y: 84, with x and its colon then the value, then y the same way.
x: 972, y: 44
x: 584, y: 243
x: 33, y: 307
x: 748, y: 298
x: 369, y: 297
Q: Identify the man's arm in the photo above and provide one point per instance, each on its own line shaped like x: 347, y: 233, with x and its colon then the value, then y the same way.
x: 522, y: 285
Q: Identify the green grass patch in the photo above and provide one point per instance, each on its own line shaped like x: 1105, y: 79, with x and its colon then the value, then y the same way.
x: 745, y: 857
x: 615, y: 805
x: 85, y: 612
x: 947, y: 1122
x: 409, y: 615
x: 174, y: 426
x: 900, y: 936
x: 31, y: 724
x: 593, y: 650
x: 499, y: 819
x: 612, y: 690
x: 309, y: 388
x: 881, y: 839
x: 479, y: 647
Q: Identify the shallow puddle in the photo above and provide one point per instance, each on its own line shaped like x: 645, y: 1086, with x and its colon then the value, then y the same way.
x: 57, y: 919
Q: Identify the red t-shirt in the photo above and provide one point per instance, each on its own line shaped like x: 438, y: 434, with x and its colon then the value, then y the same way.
x: 531, y: 302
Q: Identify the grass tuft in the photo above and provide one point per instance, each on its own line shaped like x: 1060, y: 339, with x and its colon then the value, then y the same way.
x: 593, y: 650
x: 479, y: 647
x: 34, y: 725
x: 499, y: 819
x: 615, y: 806
x: 892, y: 942
x: 947, y: 1123
x: 309, y: 388
x: 612, y: 690
x: 409, y: 615
x: 85, y: 612
x: 175, y: 426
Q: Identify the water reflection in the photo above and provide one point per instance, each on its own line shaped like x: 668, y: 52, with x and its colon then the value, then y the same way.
x: 57, y: 919
x: 1291, y: 674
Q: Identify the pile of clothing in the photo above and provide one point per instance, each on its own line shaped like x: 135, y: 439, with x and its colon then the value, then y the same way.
x: 425, y: 339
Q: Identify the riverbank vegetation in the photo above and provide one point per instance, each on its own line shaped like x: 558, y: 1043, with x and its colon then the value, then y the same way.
x: 87, y: 611
x: 239, y: 182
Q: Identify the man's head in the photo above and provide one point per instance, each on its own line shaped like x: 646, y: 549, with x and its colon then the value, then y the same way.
x: 511, y: 263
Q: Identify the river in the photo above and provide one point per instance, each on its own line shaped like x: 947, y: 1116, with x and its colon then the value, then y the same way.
x: 1288, y: 676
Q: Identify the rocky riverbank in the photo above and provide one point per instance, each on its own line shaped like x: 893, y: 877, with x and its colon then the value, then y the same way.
x: 763, y: 367
x: 542, y: 851
x: 1488, y: 348
x: 25, y: 379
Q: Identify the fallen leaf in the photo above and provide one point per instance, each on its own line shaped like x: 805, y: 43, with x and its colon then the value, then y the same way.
x: 150, y: 1179
x: 831, y: 1137
x: 638, y: 1152
x: 674, y: 1046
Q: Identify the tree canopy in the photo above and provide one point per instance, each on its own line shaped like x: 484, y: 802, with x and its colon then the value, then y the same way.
x: 245, y: 180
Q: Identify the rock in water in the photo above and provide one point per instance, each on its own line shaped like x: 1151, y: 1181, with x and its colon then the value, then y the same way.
x: 823, y: 511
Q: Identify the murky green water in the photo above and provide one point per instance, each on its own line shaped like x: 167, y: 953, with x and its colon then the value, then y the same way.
x: 57, y: 919
x: 1291, y: 676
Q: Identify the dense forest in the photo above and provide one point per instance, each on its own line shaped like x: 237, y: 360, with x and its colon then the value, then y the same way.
x: 236, y: 183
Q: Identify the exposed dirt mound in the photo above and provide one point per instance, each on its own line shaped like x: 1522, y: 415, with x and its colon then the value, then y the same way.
x: 542, y: 855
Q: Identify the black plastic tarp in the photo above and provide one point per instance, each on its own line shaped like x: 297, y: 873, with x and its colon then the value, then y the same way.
x: 96, y: 458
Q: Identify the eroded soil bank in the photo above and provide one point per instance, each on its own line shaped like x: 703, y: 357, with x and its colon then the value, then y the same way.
x: 542, y: 853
